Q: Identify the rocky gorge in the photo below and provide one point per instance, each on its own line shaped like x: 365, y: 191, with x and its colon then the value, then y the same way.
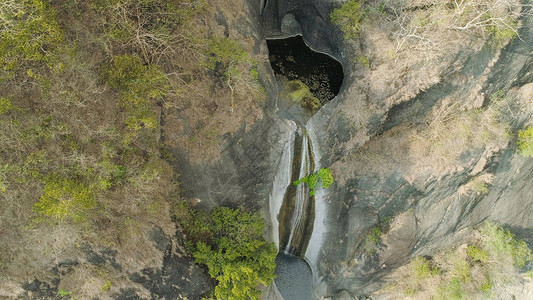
x: 419, y: 121
x: 365, y: 136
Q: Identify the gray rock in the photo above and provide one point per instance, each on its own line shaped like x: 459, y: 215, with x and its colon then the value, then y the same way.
x: 289, y: 25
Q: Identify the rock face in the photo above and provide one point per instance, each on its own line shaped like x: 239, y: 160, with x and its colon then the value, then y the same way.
x: 365, y: 137
x: 429, y: 214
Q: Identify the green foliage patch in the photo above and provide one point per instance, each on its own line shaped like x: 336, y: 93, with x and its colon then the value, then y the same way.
x: 297, y: 91
x: 141, y: 87
x: 29, y: 33
x: 230, y: 243
x: 470, y: 272
x: 325, y: 176
x: 423, y: 268
x: 372, y: 240
x: 5, y: 105
x: 500, y: 243
x: 65, y: 198
x: 525, y: 141
x: 477, y: 254
x: 229, y: 61
x: 223, y: 53
x: 348, y: 17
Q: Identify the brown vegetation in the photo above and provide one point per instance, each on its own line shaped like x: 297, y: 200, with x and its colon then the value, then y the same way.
x: 83, y: 159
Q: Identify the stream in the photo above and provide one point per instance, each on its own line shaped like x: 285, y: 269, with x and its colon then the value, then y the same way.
x: 297, y: 217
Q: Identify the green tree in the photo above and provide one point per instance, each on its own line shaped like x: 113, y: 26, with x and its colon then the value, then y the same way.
x: 231, y: 245
x: 228, y: 58
x: 501, y: 244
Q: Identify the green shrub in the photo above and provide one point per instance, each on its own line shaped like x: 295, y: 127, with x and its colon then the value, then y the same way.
x: 63, y: 293
x: 500, y: 243
x: 5, y: 105
x: 372, y: 240
x: 228, y: 59
x: 461, y: 270
x: 223, y: 53
x: 297, y: 91
x: 348, y: 17
x: 323, y: 174
x: 65, y: 198
x: 486, y: 286
x: 423, y: 269
x: 451, y: 289
x: 500, y: 32
x: 141, y: 87
x: 110, y: 174
x: 525, y: 141
x: 29, y: 34
x: 477, y: 254
x: 107, y: 285
x: 230, y: 243
x: 326, y: 177
x: 362, y: 59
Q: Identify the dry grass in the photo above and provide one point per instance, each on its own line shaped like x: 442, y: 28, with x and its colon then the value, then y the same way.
x: 480, y: 268
x: 477, y: 186
x: 441, y: 146
x: 68, y: 123
x: 453, y: 132
x: 201, y: 112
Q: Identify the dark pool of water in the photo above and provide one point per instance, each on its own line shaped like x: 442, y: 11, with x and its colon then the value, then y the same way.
x: 294, y: 279
x: 294, y: 60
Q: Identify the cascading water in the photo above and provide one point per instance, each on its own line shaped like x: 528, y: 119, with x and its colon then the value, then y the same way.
x: 298, y: 204
x: 301, y: 197
x: 307, y: 81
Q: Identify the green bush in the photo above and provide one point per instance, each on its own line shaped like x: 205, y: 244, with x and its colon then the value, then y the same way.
x: 525, y: 141
x: 325, y: 176
x: 297, y: 91
x: 372, y: 240
x: 228, y: 59
x: 477, y: 254
x: 5, y: 105
x: 223, y: 53
x: 423, y: 269
x: 141, y: 87
x: 451, y: 289
x: 230, y: 243
x: 29, y: 34
x: 500, y: 243
x: 494, y: 259
x: 65, y: 198
x: 348, y: 17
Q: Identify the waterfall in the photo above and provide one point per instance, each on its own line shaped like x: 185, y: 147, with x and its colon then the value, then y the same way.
x: 320, y: 206
x: 282, y: 180
x: 293, y: 206
x: 301, y: 196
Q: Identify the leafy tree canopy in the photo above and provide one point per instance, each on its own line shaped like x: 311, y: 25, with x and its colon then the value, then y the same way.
x: 230, y: 243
